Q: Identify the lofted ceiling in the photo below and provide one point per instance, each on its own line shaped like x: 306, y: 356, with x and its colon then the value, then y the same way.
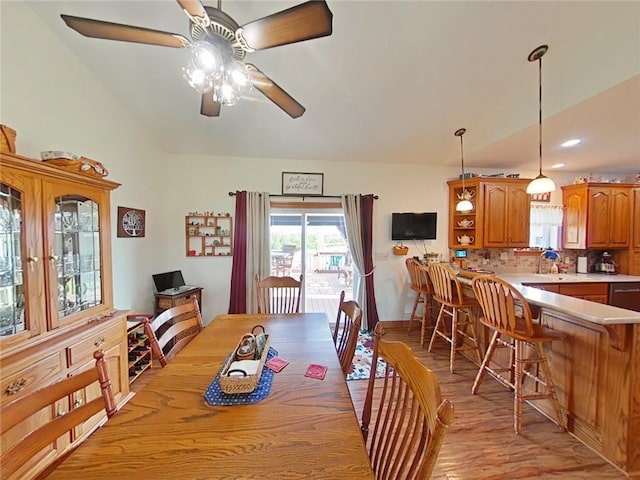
x: 394, y: 81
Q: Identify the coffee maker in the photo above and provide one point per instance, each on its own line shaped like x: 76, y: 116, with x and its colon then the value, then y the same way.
x: 606, y: 264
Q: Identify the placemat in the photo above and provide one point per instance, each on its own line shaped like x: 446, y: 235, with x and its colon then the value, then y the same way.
x: 216, y: 397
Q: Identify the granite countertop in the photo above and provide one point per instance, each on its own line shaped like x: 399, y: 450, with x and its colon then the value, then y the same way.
x: 574, y: 307
x: 566, y: 278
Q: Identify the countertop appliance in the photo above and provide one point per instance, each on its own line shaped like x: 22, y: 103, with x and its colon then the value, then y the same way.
x: 606, y: 264
x: 625, y: 295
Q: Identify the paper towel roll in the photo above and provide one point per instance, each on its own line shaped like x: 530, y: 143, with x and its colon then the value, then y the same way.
x: 582, y: 265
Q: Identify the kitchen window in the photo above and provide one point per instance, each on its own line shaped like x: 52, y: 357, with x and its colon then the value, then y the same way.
x: 545, y: 226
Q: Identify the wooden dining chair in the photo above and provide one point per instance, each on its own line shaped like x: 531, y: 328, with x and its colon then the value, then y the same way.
x: 345, y: 333
x: 423, y: 288
x: 172, y: 329
x: 405, y: 420
x: 458, y: 307
x: 508, y: 314
x: 54, y: 401
x: 278, y: 294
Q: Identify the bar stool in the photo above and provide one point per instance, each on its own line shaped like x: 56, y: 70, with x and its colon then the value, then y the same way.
x: 508, y: 314
x: 421, y: 284
x: 448, y: 292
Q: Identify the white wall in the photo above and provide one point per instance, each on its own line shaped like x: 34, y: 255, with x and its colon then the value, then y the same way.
x: 54, y: 103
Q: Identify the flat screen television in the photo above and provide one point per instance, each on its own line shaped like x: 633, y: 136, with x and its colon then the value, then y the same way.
x: 414, y: 226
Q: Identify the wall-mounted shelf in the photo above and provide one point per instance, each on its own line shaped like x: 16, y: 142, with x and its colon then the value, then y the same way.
x: 209, y: 235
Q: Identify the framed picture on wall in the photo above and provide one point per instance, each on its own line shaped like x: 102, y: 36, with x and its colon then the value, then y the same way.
x: 302, y: 184
x: 131, y: 222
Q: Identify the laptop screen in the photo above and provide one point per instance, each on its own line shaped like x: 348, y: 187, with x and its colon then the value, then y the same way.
x: 165, y: 281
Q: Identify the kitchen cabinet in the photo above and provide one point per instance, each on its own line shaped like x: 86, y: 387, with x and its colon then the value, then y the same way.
x: 594, y: 292
x: 56, y: 296
x: 500, y: 218
x: 597, y: 215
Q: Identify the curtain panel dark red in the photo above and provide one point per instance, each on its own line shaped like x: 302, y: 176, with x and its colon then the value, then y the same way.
x: 238, y: 300
x: 366, y: 204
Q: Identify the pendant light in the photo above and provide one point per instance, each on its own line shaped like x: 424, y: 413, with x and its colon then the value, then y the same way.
x: 541, y: 184
x: 463, y: 205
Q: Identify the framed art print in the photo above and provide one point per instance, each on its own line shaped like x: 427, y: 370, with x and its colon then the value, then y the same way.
x: 302, y: 184
x: 131, y: 222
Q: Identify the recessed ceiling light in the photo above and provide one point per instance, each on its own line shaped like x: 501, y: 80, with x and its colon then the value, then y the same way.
x: 558, y: 165
x: 571, y: 143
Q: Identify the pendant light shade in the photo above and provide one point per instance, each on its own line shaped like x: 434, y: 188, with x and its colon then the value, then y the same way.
x: 463, y: 205
x: 541, y: 184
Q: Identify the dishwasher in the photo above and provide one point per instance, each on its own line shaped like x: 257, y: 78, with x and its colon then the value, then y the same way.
x: 625, y: 295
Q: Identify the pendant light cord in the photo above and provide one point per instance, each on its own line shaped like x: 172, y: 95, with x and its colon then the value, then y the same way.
x: 539, y: 112
x: 462, y: 161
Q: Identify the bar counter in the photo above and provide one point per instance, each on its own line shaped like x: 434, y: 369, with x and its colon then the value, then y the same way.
x: 596, y: 368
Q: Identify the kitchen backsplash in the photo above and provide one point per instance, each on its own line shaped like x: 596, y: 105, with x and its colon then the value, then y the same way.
x: 511, y: 261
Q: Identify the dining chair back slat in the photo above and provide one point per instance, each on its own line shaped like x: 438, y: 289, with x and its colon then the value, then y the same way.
x: 405, y: 418
x: 278, y: 294
x: 345, y: 332
x: 172, y: 329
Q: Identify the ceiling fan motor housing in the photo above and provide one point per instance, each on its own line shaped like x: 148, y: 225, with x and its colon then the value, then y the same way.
x: 222, y: 26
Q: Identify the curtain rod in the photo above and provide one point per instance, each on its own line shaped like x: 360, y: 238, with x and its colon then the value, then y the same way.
x: 232, y: 194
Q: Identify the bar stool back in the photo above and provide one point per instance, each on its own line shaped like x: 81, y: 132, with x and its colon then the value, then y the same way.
x: 421, y: 284
x: 508, y: 314
x: 448, y: 292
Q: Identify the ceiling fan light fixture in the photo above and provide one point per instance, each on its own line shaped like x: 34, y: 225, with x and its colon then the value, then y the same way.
x: 197, y: 79
x: 207, y: 58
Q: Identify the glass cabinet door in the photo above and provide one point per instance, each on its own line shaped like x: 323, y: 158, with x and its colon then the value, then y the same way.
x: 21, y: 273
x: 76, y: 253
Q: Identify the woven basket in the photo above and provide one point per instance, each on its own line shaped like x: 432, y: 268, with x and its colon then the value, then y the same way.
x: 83, y: 165
x: 237, y: 384
x: 7, y: 139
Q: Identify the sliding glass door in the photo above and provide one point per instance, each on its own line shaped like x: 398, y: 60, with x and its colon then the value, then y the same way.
x: 312, y: 243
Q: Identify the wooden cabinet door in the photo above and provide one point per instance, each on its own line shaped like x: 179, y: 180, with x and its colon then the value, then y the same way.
x: 506, y: 216
x: 495, y: 215
x: 598, y: 217
x: 635, y: 219
x: 575, y: 218
x: 620, y: 217
x: 518, y: 216
x: 609, y: 217
x: 22, y: 294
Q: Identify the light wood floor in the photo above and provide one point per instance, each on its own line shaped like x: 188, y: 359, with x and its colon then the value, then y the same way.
x: 481, y: 445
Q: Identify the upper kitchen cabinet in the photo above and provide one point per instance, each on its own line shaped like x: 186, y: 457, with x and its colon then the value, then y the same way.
x: 499, y: 219
x: 55, y: 254
x: 597, y: 215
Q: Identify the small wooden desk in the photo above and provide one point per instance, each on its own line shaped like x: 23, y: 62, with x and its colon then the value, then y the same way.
x: 304, y: 429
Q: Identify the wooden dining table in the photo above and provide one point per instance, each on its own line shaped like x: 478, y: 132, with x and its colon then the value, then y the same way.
x: 304, y: 429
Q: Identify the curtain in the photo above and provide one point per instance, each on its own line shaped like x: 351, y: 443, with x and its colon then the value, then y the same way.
x: 358, y: 217
x: 546, y: 226
x: 258, y: 244
x: 251, y: 252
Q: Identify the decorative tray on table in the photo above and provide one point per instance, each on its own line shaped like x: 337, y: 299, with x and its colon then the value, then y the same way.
x: 242, y: 370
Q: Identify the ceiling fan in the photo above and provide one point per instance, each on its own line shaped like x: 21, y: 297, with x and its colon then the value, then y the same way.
x: 218, y: 46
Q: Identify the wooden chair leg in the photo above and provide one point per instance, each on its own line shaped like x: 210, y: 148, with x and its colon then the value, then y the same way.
x: 551, y: 389
x: 518, y: 381
x: 413, y: 313
x: 439, y: 322
x: 486, y: 362
x: 454, y: 339
x: 423, y: 327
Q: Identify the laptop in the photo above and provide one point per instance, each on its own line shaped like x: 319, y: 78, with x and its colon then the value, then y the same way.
x: 170, y: 283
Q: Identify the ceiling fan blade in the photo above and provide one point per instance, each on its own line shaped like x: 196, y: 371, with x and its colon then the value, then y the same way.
x: 124, y: 33
x: 277, y: 95
x: 303, y: 22
x: 195, y: 10
x: 209, y: 106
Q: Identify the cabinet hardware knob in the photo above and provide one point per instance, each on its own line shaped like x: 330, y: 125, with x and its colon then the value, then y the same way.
x: 16, y: 386
x: 53, y: 257
x: 99, y: 341
x: 32, y: 259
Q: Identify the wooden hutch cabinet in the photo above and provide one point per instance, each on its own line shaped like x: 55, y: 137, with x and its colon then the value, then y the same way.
x: 56, y: 297
x: 597, y: 215
x: 500, y: 217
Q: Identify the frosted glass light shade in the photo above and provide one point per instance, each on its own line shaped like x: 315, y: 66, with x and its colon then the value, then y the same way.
x: 464, y: 206
x: 541, y: 184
